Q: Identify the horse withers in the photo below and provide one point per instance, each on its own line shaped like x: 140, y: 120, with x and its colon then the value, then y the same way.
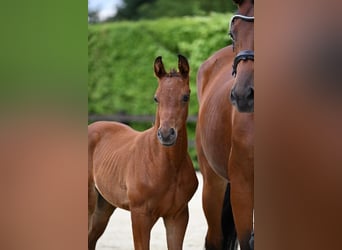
x: 225, y: 136
x: 149, y: 173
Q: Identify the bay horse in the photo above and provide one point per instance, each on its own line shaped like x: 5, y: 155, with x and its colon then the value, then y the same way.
x: 149, y: 173
x: 225, y: 136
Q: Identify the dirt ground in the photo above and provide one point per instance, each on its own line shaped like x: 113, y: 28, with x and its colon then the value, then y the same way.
x: 118, y: 234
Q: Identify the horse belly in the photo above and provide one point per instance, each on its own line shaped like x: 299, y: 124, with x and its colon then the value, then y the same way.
x: 110, y: 174
x: 188, y: 184
x: 215, y: 131
x: 216, y: 151
x: 117, y: 196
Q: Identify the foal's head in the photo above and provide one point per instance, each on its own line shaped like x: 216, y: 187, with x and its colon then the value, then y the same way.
x: 242, y: 33
x: 172, y: 98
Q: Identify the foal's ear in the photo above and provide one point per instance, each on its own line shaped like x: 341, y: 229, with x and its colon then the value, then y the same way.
x: 183, y: 66
x: 159, y: 69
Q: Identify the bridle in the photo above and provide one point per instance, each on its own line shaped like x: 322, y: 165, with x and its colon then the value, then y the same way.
x: 243, y: 55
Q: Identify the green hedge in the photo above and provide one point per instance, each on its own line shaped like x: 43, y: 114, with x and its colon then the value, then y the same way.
x: 121, y: 56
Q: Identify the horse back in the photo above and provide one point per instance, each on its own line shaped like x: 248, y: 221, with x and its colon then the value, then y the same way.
x: 113, y: 134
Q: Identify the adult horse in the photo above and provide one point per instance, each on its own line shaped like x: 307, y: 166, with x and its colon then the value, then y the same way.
x: 149, y: 173
x: 225, y: 135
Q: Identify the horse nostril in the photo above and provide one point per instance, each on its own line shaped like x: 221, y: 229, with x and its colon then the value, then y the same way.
x: 250, y: 94
x: 232, y: 95
x: 172, y: 131
x: 158, y: 133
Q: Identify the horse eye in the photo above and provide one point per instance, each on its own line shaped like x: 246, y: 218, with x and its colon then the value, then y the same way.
x: 186, y: 98
x: 155, y: 99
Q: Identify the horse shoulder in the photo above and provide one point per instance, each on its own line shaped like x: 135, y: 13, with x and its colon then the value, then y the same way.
x: 191, y: 177
x: 211, y: 67
x: 201, y: 78
x: 187, y: 181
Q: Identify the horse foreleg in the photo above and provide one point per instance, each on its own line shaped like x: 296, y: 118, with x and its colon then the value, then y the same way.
x: 175, y: 229
x: 100, y: 218
x: 242, y: 193
x: 242, y: 210
x: 141, y: 226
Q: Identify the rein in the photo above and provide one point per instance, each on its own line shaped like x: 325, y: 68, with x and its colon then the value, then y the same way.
x: 243, y: 55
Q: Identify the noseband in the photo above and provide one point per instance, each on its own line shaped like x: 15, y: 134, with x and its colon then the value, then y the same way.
x: 243, y: 55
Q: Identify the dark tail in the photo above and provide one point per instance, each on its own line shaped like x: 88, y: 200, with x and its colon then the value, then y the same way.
x: 230, y: 241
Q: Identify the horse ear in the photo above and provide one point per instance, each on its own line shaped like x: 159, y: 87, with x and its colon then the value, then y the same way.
x: 183, y: 66
x: 159, y: 69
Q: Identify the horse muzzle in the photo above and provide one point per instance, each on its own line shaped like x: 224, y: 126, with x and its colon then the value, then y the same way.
x: 167, y: 136
x: 244, y: 102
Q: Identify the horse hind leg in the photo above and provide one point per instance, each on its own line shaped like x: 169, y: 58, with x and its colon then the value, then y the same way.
x: 242, y: 204
x: 213, y: 192
x: 99, y: 220
x: 91, y: 203
x: 93, y: 137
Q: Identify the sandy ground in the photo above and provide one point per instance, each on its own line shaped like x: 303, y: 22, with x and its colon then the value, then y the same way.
x: 118, y: 234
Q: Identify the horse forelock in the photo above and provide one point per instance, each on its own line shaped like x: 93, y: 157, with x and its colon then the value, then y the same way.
x: 173, y: 72
x: 238, y: 2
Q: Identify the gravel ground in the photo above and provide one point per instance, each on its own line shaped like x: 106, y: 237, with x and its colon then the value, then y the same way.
x: 118, y: 234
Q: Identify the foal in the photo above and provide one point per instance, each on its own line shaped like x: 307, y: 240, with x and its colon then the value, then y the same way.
x: 149, y: 173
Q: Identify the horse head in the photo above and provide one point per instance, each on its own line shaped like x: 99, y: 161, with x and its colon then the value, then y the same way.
x: 242, y: 34
x: 172, y: 97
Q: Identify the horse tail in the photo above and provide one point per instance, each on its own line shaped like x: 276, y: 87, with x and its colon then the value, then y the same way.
x: 230, y: 241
